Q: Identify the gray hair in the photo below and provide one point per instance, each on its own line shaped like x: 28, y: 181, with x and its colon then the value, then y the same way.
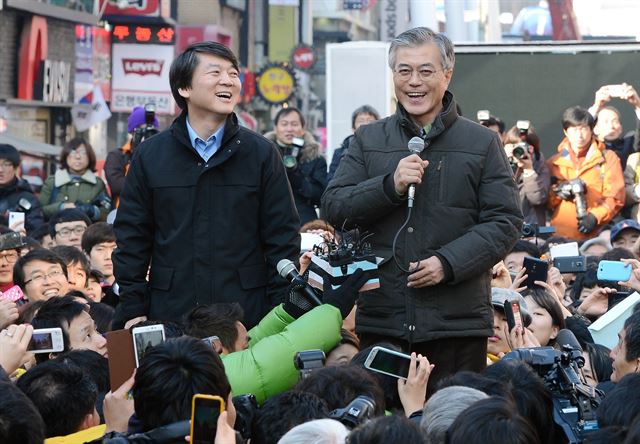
x: 319, y: 431
x: 421, y: 36
x: 443, y: 408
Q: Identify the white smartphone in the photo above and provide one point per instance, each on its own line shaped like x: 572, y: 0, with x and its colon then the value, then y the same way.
x: 16, y: 217
x: 46, y: 340
x: 144, y: 338
x: 388, y: 362
x: 615, y: 90
x: 564, y: 250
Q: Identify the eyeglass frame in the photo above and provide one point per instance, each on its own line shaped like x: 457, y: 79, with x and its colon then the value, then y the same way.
x: 6, y: 256
x: 47, y: 276
x: 71, y: 230
x: 77, y: 153
x: 411, y: 70
x: 7, y: 165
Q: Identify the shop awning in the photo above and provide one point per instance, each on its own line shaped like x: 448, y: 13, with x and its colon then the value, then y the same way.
x: 30, y: 147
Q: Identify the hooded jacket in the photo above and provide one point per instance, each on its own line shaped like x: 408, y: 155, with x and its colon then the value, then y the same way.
x: 467, y: 212
x: 308, y: 179
x: 602, y: 174
x: 84, y: 191
x: 212, y: 231
x: 10, y: 201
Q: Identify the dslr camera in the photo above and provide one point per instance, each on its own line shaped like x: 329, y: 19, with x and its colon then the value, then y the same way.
x: 142, y: 134
x: 292, y: 152
x: 357, y: 412
x: 574, y: 189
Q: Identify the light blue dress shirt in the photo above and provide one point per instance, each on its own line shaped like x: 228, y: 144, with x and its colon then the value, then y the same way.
x: 207, y: 148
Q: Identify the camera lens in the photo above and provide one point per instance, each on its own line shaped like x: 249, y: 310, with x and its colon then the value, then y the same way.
x: 519, y: 151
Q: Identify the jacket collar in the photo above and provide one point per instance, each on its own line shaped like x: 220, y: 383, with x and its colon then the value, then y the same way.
x: 594, y: 156
x: 179, y: 130
x: 62, y: 177
x: 443, y: 120
x: 310, y: 150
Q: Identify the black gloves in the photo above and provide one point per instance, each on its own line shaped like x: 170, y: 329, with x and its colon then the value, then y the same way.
x: 587, y: 224
x: 344, y: 297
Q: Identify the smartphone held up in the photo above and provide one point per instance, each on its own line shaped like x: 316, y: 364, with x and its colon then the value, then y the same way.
x: 205, y: 410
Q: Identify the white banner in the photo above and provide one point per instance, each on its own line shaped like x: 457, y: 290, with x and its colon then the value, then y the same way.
x: 140, y: 76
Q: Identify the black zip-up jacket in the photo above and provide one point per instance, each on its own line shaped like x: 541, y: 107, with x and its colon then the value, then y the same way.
x: 467, y: 212
x: 212, y: 231
x: 9, y: 201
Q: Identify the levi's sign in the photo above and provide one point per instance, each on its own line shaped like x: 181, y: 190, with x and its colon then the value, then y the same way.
x: 142, y: 67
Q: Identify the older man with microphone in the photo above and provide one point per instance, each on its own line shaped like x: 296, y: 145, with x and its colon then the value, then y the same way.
x: 440, y: 241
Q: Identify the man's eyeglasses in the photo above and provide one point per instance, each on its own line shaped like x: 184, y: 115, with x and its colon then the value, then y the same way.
x: 66, y: 232
x: 6, y: 165
x: 405, y: 73
x: 11, y: 258
x: 39, y: 278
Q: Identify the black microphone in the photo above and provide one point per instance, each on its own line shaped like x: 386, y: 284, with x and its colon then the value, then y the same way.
x: 288, y: 270
x: 416, y: 145
x: 566, y: 337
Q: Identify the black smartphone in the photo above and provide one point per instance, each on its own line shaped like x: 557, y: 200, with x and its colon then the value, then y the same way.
x: 615, y: 298
x: 536, y: 270
x: 570, y: 264
x: 205, y: 410
x: 512, y: 313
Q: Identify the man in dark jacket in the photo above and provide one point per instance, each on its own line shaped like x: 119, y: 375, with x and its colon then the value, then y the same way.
x: 15, y: 193
x: 305, y: 166
x: 434, y: 296
x: 206, y: 202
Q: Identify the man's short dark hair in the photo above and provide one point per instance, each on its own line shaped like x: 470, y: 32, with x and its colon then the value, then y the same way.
x: 63, y: 394
x: 283, y: 412
x: 40, y: 254
x: 340, y: 385
x: 494, y: 419
x: 388, y: 384
x: 616, y: 254
x: 20, y: 421
x: 474, y: 380
x: 283, y: 112
x: 494, y: 121
x: 67, y: 215
x: 93, y: 364
x: 58, y: 312
x: 97, y: 233
x: 532, y: 398
x: 632, y: 336
x: 72, y: 256
x: 40, y: 232
x: 523, y: 246
x: 215, y: 320
x: 184, y: 65
x: 103, y: 315
x: 576, y: 116
x: 387, y: 429
x: 364, y: 109
x: 168, y: 377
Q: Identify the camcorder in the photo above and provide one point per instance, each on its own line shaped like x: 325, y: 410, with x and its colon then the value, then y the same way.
x: 359, y: 411
x: 535, y: 230
x: 291, y: 153
x: 142, y: 134
x: 574, y: 402
x: 574, y: 189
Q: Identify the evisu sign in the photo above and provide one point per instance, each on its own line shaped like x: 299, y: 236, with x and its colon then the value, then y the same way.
x: 142, y: 67
x: 141, y: 76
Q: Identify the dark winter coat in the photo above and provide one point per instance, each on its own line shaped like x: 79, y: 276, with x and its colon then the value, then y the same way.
x: 88, y: 192
x: 466, y: 212
x: 9, y: 198
x: 212, y: 231
x: 309, y: 178
x: 115, y: 170
x: 337, y: 157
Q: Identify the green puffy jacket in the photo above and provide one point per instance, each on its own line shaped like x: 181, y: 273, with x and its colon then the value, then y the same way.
x: 266, y: 367
x: 63, y: 188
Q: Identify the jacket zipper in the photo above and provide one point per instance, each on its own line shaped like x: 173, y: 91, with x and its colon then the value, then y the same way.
x: 440, y: 170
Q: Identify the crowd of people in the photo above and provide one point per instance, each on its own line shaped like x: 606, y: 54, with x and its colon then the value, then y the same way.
x: 192, y: 223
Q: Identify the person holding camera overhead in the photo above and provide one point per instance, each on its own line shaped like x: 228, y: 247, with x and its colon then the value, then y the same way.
x: 530, y: 171
x: 141, y: 124
x: 588, y: 188
x: 75, y: 184
x: 306, y: 168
